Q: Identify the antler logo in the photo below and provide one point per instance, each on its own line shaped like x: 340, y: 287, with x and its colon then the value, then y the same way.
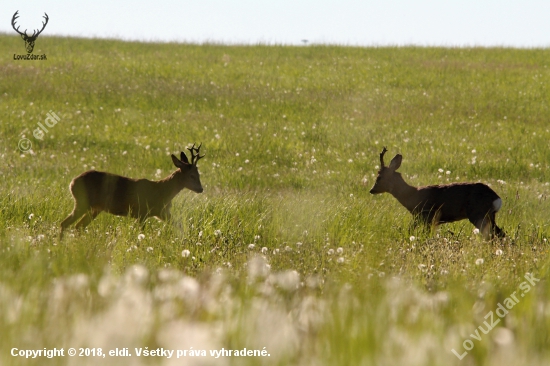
x: 29, y: 40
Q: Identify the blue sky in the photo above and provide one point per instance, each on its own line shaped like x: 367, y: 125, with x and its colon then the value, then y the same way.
x: 514, y: 23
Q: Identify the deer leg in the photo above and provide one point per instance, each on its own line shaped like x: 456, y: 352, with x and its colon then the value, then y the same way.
x: 483, y: 224
x: 73, y: 216
x: 487, y: 225
x: 167, y: 216
x: 87, y: 218
x: 420, y: 219
x: 495, y: 230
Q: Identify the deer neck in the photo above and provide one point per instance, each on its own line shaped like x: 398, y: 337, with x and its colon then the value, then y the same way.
x: 171, y: 185
x: 406, y: 194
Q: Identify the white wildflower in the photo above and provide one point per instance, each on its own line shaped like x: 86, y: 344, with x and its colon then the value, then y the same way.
x: 185, y: 253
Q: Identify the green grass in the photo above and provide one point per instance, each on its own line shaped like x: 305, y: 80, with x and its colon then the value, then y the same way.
x: 292, y: 137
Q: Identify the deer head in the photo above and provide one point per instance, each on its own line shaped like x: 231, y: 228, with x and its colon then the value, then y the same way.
x: 386, y: 174
x: 189, y: 173
x: 29, y: 40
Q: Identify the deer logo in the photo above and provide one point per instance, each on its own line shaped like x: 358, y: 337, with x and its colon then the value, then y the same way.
x: 29, y: 40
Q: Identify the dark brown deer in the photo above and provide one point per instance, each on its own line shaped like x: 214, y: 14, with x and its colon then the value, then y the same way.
x: 95, y: 192
x: 29, y: 40
x: 439, y: 204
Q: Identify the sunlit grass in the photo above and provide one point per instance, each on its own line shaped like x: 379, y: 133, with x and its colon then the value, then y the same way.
x: 285, y: 249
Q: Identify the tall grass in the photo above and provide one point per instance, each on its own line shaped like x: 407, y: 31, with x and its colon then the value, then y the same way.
x: 285, y: 249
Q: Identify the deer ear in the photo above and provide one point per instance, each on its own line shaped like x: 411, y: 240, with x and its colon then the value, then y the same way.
x: 176, y: 162
x: 396, y: 162
x: 184, y: 158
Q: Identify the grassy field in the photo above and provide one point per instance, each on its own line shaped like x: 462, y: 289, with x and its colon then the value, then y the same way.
x: 288, y: 252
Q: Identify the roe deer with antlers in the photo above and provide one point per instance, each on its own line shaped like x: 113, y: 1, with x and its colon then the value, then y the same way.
x: 95, y: 192
x: 439, y: 204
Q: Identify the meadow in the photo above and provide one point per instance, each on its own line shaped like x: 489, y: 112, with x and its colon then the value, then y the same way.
x: 285, y: 251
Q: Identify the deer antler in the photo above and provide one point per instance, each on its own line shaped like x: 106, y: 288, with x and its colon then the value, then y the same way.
x: 43, y: 26
x: 13, y: 19
x: 34, y: 33
x: 382, y: 165
x: 195, y: 156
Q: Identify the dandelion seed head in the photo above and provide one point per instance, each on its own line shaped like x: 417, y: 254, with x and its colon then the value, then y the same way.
x: 185, y: 253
